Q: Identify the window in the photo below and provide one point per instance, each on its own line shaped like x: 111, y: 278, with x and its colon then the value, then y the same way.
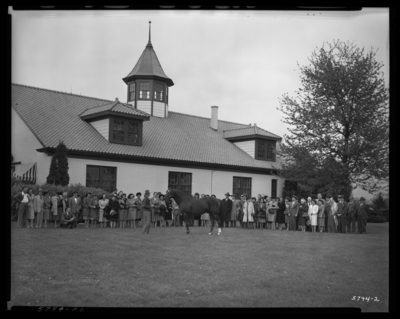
x: 132, y: 91
x: 241, y: 185
x: 265, y: 150
x: 101, y: 177
x: 274, y: 183
x: 144, y: 90
x: 158, y: 92
x: 180, y: 181
x: 126, y: 131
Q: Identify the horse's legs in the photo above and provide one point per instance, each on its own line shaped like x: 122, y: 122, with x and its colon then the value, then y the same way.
x: 187, y: 218
x: 212, y: 223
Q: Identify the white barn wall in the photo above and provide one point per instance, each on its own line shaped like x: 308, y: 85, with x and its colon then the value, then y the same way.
x: 135, y: 178
x: 144, y: 106
x: 158, y: 109
x: 102, y: 126
x: 248, y: 146
x: 24, y: 145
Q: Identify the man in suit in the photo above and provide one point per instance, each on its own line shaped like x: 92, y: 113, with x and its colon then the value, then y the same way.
x: 327, y: 212
x: 68, y: 219
x: 23, y: 209
x: 362, y: 216
x: 38, y: 202
x: 341, y: 214
x: 352, y: 209
x: 74, y: 203
x: 227, y: 208
x: 293, y: 212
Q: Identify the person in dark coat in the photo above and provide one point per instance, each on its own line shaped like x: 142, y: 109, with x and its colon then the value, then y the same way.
x: 327, y: 212
x: 342, y: 215
x: 227, y: 207
x: 352, y: 209
x: 362, y: 216
x: 68, y: 219
x: 280, y: 214
x: 303, y: 214
x: 293, y: 213
x: 113, y: 206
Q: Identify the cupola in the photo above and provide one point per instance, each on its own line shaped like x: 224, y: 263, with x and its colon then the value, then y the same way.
x: 147, y: 84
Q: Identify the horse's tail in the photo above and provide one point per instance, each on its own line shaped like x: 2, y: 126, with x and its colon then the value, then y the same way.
x: 223, y: 214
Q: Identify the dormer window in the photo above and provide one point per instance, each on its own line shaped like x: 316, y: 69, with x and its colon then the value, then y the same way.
x: 265, y: 150
x: 125, y: 131
x: 158, y: 92
x: 132, y: 91
x: 144, y: 90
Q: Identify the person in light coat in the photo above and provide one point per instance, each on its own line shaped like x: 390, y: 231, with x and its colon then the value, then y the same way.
x: 38, y: 208
x: 314, y: 216
x: 248, y: 212
x: 332, y: 216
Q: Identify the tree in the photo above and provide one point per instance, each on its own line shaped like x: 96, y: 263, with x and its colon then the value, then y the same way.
x: 339, y: 122
x: 58, y: 173
x: 379, y: 201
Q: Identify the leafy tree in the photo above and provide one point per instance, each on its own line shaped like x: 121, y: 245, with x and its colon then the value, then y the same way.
x: 58, y: 173
x: 379, y: 201
x: 338, y: 122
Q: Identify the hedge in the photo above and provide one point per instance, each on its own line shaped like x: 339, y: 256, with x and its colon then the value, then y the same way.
x: 376, y: 217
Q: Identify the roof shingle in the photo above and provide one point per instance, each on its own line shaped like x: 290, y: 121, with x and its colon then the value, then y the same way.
x: 117, y: 107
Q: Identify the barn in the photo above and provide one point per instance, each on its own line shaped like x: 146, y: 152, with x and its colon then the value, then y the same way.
x: 140, y: 143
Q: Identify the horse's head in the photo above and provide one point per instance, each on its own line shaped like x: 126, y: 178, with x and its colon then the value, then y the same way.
x: 169, y: 194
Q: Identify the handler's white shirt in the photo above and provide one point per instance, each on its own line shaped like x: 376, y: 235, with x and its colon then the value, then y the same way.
x: 25, y: 200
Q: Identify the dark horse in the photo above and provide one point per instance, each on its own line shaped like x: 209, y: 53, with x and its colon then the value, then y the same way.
x: 190, y: 206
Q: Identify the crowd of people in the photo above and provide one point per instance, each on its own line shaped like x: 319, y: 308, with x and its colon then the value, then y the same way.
x: 127, y: 211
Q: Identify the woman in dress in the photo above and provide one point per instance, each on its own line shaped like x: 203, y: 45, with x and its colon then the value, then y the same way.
x: 234, y: 211
x: 94, y: 210
x: 46, y: 208
x: 286, y: 212
x: 162, y: 210
x: 303, y: 215
x: 321, y: 215
x: 54, y: 208
x: 280, y: 213
x: 103, y: 202
x: 139, y: 209
x: 271, y: 215
x: 123, y: 211
x: 248, y: 213
x: 86, y: 208
x: 314, y: 215
x: 262, y: 219
x: 130, y: 202
x: 256, y: 212
x: 31, y: 215
x: 332, y: 215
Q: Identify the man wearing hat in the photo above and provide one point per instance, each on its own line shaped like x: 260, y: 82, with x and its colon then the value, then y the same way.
x: 226, y: 207
x: 293, y: 212
x: 352, y: 209
x: 341, y: 214
x: 146, y: 212
x: 362, y: 216
x: 38, y: 202
x: 74, y: 203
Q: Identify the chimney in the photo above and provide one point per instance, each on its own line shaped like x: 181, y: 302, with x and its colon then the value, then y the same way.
x: 214, y: 117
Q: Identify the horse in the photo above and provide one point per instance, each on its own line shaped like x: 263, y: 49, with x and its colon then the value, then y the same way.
x: 190, y: 206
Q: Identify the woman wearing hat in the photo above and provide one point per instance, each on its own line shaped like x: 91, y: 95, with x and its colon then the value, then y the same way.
x: 303, y: 214
x: 138, y: 206
x: 234, y: 211
x: 248, y: 212
x: 122, y: 211
x: 154, y: 202
x: 103, y: 202
x: 31, y: 214
x: 162, y: 210
x: 94, y: 210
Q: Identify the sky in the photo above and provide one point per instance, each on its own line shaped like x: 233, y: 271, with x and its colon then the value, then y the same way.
x: 241, y: 61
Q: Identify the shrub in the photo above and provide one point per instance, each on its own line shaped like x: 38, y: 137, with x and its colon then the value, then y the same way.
x: 375, y: 216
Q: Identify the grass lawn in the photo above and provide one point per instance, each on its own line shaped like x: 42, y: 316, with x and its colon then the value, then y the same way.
x: 168, y: 268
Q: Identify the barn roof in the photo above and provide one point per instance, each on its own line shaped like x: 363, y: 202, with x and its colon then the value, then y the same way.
x: 53, y: 116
